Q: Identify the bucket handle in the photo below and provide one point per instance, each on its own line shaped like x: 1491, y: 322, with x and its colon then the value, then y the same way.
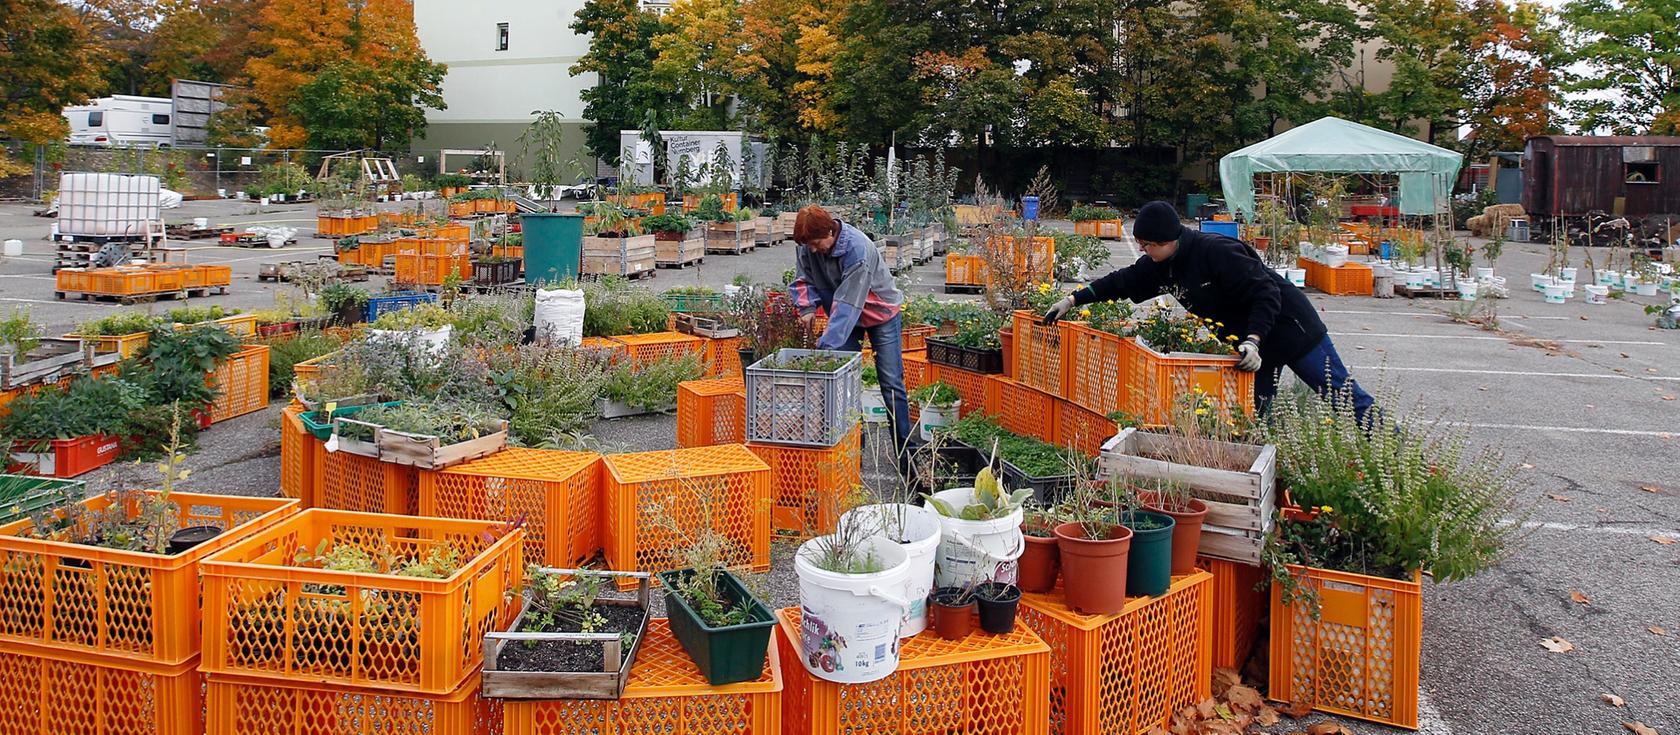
x: 1013, y: 554
x: 881, y: 592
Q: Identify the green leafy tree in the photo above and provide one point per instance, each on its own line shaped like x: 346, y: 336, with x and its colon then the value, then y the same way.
x: 873, y: 92
x: 621, y: 57
x: 1631, y: 52
x: 1516, y: 76
x: 350, y: 105
x: 1429, y: 44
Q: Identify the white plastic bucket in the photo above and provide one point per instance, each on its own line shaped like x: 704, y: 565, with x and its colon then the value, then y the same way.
x: 1432, y: 277
x: 1646, y: 289
x: 1467, y: 289
x: 917, y: 530
x: 933, y: 418
x: 1484, y: 274
x: 976, y: 551
x: 14, y: 248
x: 1597, y: 294
x: 848, y: 625
x: 201, y: 222
x: 1298, y: 277
x: 1607, y: 279
x: 1415, y: 279
x: 1557, y: 293
x: 874, y: 406
x: 1539, y: 281
x: 1569, y: 275
x: 1282, y: 271
x: 434, y: 340
x: 263, y: 201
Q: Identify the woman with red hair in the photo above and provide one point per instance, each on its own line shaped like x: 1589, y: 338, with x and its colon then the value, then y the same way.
x: 840, y: 269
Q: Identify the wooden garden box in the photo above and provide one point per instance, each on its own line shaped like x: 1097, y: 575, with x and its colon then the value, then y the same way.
x: 1240, y: 502
x: 607, y: 684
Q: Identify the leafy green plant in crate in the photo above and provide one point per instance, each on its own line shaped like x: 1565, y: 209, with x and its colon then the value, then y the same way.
x: 285, y: 354
x: 653, y: 387
x: 550, y: 391
x: 613, y: 307
x: 346, y: 303
x: 179, y: 359
x: 121, y: 323
x: 20, y: 333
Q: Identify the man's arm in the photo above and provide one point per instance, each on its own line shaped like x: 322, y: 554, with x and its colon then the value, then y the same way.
x: 1246, y: 280
x: 1134, y: 282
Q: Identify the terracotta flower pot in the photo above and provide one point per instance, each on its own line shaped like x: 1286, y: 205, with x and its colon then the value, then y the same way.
x: 1187, y: 531
x: 1094, y: 570
x: 1040, y: 564
x: 951, y: 622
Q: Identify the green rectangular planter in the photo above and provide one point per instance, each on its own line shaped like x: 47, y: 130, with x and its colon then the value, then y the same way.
x: 22, y: 495
x: 321, y: 425
x: 727, y: 655
x: 553, y: 246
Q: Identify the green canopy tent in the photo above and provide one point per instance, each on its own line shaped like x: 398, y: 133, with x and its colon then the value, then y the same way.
x: 1334, y: 145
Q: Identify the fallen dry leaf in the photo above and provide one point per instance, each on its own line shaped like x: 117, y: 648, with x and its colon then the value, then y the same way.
x: 1651, y: 489
x: 1527, y: 466
x: 1638, y: 728
x: 1612, y: 700
x: 1297, y: 710
x: 1579, y: 597
x: 1664, y: 540
x: 1223, y: 680
x: 1668, y: 398
x: 1657, y: 630
x: 1244, y: 699
x: 1207, y: 709
x: 1156, y: 730
x: 1266, y: 717
x: 1557, y: 645
x: 1559, y: 498
x: 1327, y: 728
x: 1624, y: 355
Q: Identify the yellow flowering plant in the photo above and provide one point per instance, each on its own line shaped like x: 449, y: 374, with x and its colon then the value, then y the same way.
x: 1165, y: 330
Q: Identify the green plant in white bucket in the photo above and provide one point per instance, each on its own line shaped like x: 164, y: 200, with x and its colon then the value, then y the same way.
x: 940, y: 406
x: 874, y: 404
x: 991, y: 501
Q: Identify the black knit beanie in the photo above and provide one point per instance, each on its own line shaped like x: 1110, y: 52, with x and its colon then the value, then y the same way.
x: 1157, y: 222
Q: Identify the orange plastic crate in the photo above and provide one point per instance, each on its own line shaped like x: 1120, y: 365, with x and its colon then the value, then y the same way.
x: 46, y: 692
x: 267, y: 617
x: 1156, y: 380
x: 430, y: 246
x: 665, y: 694
x: 124, y: 605
x: 691, y: 202
x: 971, y: 386
x: 916, y: 370
x: 711, y: 412
x: 508, y: 251
x: 965, y: 270
x: 723, y: 357
x: 241, y: 383
x: 640, y: 486
x: 1098, y: 367
x: 238, y: 706
x: 1021, y: 409
x: 431, y: 270
x: 1351, y: 279
x: 556, y: 493
x: 1006, y: 338
x: 1034, y: 261
x: 914, y: 338
x: 366, y: 485
x: 1042, y: 356
x: 980, y: 685
x: 1360, y: 658
x: 1238, y: 606
x: 1127, y: 672
x: 125, y: 345
x: 809, y: 484
x: 613, y: 350
x: 645, y: 349
x: 210, y: 276
x: 1082, y: 429
x: 312, y: 366
x: 299, y: 457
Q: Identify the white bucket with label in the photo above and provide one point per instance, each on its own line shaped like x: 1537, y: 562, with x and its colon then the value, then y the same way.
x: 1282, y: 271
x: 1467, y: 289
x: 1606, y: 279
x: 933, y: 418
x: 1597, y: 294
x: 1644, y: 288
x: 1557, y: 293
x: 1539, y: 281
x: 1336, y: 256
x: 1484, y: 274
x: 1298, y: 277
x: 1568, y: 275
x: 874, y: 406
x: 917, y: 530
x: 976, y: 551
x: 1432, y: 277
x: 848, y: 624
x: 1415, y: 279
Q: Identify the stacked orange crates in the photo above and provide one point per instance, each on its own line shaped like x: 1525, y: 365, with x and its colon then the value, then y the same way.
x: 691, y: 202
x: 1082, y: 429
x: 1021, y: 409
x: 965, y: 270
x: 641, y: 489
x: 1239, y: 603
x: 300, y: 458
x: 376, y: 652
x: 970, y: 385
x: 1042, y: 356
x: 365, y: 484
x: 241, y: 383
x: 809, y: 484
x: 1098, y: 365
x: 723, y: 357
x: 430, y: 246
x: 1154, y: 381
x: 1359, y: 656
x: 711, y: 412
x: 1108, y: 229
x: 1127, y: 672
x: 554, y: 494
x: 370, y: 253
x: 431, y: 270
x: 103, y: 640
x: 980, y: 684
x: 645, y: 349
x: 341, y: 225
x: 667, y: 694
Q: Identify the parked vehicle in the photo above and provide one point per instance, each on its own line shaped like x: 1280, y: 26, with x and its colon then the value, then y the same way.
x: 122, y: 120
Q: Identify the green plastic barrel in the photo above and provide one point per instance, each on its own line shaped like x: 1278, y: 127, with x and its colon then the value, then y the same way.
x: 1193, y: 205
x: 553, y: 246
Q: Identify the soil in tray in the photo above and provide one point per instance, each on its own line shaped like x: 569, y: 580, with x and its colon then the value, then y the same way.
x: 569, y: 655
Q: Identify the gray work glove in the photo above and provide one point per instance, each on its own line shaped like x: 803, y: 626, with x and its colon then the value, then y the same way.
x: 1250, y: 351
x: 1059, y: 310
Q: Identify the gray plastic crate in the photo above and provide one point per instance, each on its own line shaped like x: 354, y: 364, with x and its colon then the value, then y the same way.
x: 806, y: 409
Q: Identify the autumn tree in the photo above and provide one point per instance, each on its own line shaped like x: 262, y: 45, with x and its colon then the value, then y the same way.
x: 1630, y: 50
x: 47, y: 62
x: 1429, y: 44
x: 873, y: 90
x: 621, y: 57
x: 702, y: 56
x: 1515, y: 76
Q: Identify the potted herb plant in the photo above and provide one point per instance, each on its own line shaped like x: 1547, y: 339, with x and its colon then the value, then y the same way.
x: 650, y: 388
x: 974, y: 346
x: 718, y: 621
x: 805, y: 397
x: 850, y: 616
x: 940, y: 405
x: 953, y: 610
x: 982, y: 539
x: 998, y: 602
x: 434, y: 436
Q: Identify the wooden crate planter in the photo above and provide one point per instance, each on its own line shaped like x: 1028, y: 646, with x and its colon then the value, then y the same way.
x: 808, y: 485
x: 267, y: 618
x: 1155, y: 380
x: 785, y: 223
x: 637, y: 486
x: 618, y: 256
x: 428, y: 452
x: 679, y: 252
x: 703, y: 326
x: 1126, y: 672
x: 123, y: 606
x: 1360, y: 657
x: 730, y: 238
x: 1240, y: 502
x: 979, y: 684
x: 608, y: 683
x: 53, y: 359
x: 764, y: 230
x: 556, y: 493
x: 786, y: 406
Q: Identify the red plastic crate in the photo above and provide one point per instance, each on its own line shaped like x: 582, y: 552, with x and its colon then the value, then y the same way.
x: 366, y: 485
x: 808, y: 484
x: 556, y: 494
x: 638, y: 487
x: 1021, y: 409
x: 239, y: 706
x: 711, y: 412
x: 1127, y: 672
x: 980, y: 685
x: 1239, y: 604
x: 65, y: 457
x: 1042, y: 357
x: 48, y: 692
x: 1082, y: 428
x: 1006, y: 337
x: 269, y: 618
x: 665, y: 694
x: 971, y: 386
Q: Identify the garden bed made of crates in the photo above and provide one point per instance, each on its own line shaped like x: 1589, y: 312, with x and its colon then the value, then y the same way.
x: 554, y: 494
x: 128, y: 282
x: 641, y: 489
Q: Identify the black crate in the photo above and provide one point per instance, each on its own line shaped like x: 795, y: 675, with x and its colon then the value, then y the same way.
x: 987, y: 362
x: 506, y: 271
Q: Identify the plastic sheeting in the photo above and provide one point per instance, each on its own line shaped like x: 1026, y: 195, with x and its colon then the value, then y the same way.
x: 1331, y: 144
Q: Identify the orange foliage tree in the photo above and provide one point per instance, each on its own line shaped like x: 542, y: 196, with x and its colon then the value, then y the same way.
x: 47, y: 62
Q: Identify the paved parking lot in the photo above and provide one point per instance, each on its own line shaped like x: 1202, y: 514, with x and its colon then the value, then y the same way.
x: 1584, y: 396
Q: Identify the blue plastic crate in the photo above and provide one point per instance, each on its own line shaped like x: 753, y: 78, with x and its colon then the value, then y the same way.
x: 1228, y: 229
x: 378, y: 305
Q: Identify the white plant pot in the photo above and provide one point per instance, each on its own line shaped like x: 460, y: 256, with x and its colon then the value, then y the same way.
x: 263, y: 201
x: 1569, y: 275
x: 1484, y: 274
x: 1467, y: 289
x: 874, y: 406
x: 1416, y: 279
x: 977, y: 550
x: 1645, y: 289
x: 933, y: 418
x: 918, y: 531
x: 1557, y: 293
x: 1282, y: 271
x: 1597, y: 294
x: 1432, y: 277
x: 851, y: 621
x: 1298, y: 277
x: 1539, y: 281
x: 1606, y: 279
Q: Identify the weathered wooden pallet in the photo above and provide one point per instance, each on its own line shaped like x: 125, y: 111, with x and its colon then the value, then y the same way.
x: 140, y: 297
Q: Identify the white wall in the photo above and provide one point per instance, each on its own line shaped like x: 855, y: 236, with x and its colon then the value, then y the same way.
x: 485, y: 85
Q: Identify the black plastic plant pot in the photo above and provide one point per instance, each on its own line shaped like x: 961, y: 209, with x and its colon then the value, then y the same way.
x: 726, y: 655
x: 1149, y: 571
x: 997, y: 607
x: 748, y: 357
x: 974, y: 360
x: 191, y: 536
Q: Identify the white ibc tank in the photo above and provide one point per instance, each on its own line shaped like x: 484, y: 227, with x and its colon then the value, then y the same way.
x: 107, y: 204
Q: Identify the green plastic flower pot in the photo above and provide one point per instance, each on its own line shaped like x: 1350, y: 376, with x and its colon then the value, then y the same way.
x: 728, y: 654
x: 1149, y: 571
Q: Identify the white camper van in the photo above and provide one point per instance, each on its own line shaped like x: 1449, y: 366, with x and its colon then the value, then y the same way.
x: 123, y: 120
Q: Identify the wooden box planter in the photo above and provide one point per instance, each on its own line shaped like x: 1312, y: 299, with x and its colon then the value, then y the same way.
x: 607, y: 684
x: 342, y: 441
x: 725, y: 655
x: 730, y: 238
x: 506, y: 271
x: 805, y: 408
x: 785, y: 223
x: 702, y: 326
x: 1240, y: 502
x: 1360, y: 657
x: 123, y: 606
x: 972, y: 359
x: 763, y: 230
x: 53, y: 359
x: 65, y: 457
x: 429, y: 453
x: 731, y: 200
x: 680, y: 251
x: 618, y: 256
x: 268, y: 618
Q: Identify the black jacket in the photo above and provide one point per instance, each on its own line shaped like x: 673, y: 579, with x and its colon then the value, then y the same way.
x: 1223, y: 279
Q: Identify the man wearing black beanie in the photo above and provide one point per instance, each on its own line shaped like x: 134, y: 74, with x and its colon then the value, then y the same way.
x: 1223, y: 279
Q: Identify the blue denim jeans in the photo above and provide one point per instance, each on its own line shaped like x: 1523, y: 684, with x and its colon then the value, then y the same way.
x: 1322, y: 370
x: 887, y: 341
